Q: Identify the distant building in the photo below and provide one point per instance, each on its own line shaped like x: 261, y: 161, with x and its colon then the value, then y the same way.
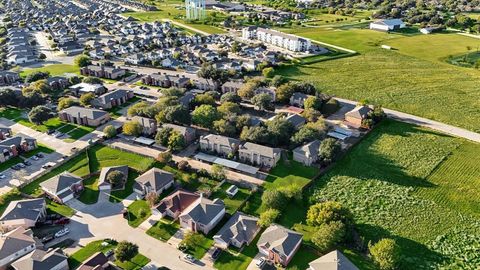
x: 387, y: 25
x: 277, y: 38
x: 8, y: 77
x: 356, y: 116
x: 188, y: 133
x: 83, y: 88
x: 308, y: 153
x: 166, y: 81
x: 113, y: 98
x: 259, y: 155
x: 195, y: 9
x: 84, y: 116
x: 221, y: 145
x: 102, y: 71
x: 23, y: 213
x: 14, y: 146
x: 149, y: 125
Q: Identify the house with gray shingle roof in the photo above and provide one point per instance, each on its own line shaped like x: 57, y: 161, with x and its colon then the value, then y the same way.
x: 279, y: 244
x: 334, y: 260
x: 153, y: 180
x: 240, y: 230
x: 14, y: 245
x: 203, y: 215
x: 296, y: 120
x: 39, y: 259
x: 259, y: 155
x: 356, y: 116
x: 308, y: 153
x: 63, y: 187
x: 149, y: 125
x: 112, y: 99
x: 13, y: 146
x: 218, y: 144
x: 84, y: 116
x: 298, y: 99
x: 23, y: 213
x: 103, y: 183
x: 4, y: 132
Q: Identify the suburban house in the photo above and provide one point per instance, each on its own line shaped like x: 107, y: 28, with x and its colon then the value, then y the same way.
x: 334, y: 260
x: 174, y: 204
x: 103, y: 183
x: 202, y: 215
x: 63, y: 187
x: 153, y: 180
x: 240, y: 230
x: 387, y: 25
x: 266, y: 90
x: 14, y: 245
x: 149, y: 125
x: 296, y: 120
x: 231, y: 86
x: 84, y: 116
x: 112, y: 99
x: 188, y: 133
x: 298, y: 99
x: 58, y: 83
x: 8, y: 77
x: 24, y: 213
x: 308, y: 153
x: 83, y: 88
x: 259, y: 155
x: 102, y: 71
x: 277, y: 38
x: 13, y: 146
x: 5, y: 132
x: 218, y: 144
x: 279, y: 244
x: 97, y: 261
x: 39, y: 259
x: 356, y: 116
x: 166, y: 81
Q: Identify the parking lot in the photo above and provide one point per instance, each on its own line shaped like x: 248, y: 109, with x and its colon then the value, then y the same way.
x: 14, y: 178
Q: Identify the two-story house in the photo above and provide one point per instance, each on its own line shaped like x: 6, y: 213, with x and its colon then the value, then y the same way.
x: 221, y: 145
x: 202, y: 215
x: 259, y: 155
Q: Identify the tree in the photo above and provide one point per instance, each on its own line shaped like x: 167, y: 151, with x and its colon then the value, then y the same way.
x: 330, y: 107
x: 31, y: 99
x: 224, y: 127
x: 132, y: 128
x: 329, y: 235
x: 228, y: 108
x: 274, y: 199
x: 164, y: 157
x: 125, y: 251
x: 329, y: 150
x: 176, y: 141
x: 174, y: 114
x: 115, y: 178
x: 92, y: 80
x: 8, y: 97
x: 281, y: 130
x: 204, y: 99
x: 309, y: 132
x: 326, y: 212
x: 86, y: 99
x: 64, y: 103
x: 35, y: 76
x: 284, y: 92
x: 304, y: 87
x: 247, y: 91
x: 263, y: 102
x: 218, y: 171
x: 230, y: 97
x: 110, y: 131
x: 385, y: 253
x: 39, y: 114
x: 268, y: 217
x: 277, y: 80
x: 267, y: 72
x: 82, y: 61
x: 40, y: 86
x: 191, y: 240
x: 205, y: 115
x: 152, y: 198
x: 163, y: 135
x: 313, y: 102
x: 257, y: 134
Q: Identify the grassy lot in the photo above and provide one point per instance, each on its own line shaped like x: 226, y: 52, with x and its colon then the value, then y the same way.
x: 189, y: 181
x: 90, y: 193
x: 135, y: 263
x: 52, y: 123
x: 79, y: 132
x: 288, y: 173
x: 414, y: 185
x: 6, y: 198
x: 413, y: 79
x: 138, y: 211
x: 103, y: 156
x: 91, y: 248
x: 62, y: 209
x: 118, y: 195
x: 201, y: 247
x: 231, y: 259
x: 231, y: 204
x: 55, y: 70
x: 163, y: 229
x: 304, y: 255
x: 10, y: 113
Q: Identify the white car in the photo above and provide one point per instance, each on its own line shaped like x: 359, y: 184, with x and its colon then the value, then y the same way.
x: 35, y: 158
x: 2, y: 176
x: 189, y: 258
x: 261, y: 262
x: 62, y: 232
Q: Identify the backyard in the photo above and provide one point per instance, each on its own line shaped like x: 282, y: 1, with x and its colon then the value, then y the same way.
x: 232, y: 204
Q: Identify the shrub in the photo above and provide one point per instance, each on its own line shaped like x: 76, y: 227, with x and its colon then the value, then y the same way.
x: 125, y: 251
x: 164, y: 157
x: 329, y: 235
x: 110, y: 131
x: 326, y: 212
x: 268, y: 217
x: 385, y: 253
x: 274, y: 199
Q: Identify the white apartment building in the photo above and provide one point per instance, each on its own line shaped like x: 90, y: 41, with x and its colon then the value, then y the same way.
x: 277, y: 38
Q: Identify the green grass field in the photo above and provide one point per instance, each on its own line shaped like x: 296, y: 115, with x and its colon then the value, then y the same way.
x: 138, y: 211
x: 91, y: 248
x: 163, y: 229
x: 135, y: 263
x: 55, y: 69
x: 90, y: 192
x: 414, y: 185
x: 231, y: 204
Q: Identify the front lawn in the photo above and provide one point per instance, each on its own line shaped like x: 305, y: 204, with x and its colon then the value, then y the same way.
x: 234, y: 203
x: 90, y: 192
x: 104, y: 156
x: 79, y: 132
x: 10, y: 113
x: 135, y: 263
x: 138, y: 212
x: 230, y: 259
x: 303, y: 256
x: 62, y: 209
x: 54, y: 70
x: 201, y: 246
x: 52, y: 123
x: 118, y: 195
x: 163, y: 229
x: 86, y: 252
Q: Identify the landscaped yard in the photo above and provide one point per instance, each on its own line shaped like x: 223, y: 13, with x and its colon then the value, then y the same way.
x: 103, y: 156
x: 54, y: 70
x: 416, y: 186
x: 86, y: 252
x: 164, y: 229
x: 135, y: 263
x: 10, y: 113
x: 201, y: 247
x: 138, y: 212
x: 117, y: 196
x: 62, y: 209
x: 90, y: 192
x: 232, y: 259
x: 234, y: 203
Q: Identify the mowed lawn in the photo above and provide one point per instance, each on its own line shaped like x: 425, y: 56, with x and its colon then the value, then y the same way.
x: 54, y: 70
x: 411, y: 79
x: 416, y: 186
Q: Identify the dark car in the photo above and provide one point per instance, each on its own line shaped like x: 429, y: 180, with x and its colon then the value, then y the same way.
x: 53, y: 216
x: 28, y: 163
x: 109, y: 253
x: 216, y: 253
x: 50, y: 131
x: 47, y: 238
x: 62, y: 221
x: 40, y: 155
x: 15, y: 167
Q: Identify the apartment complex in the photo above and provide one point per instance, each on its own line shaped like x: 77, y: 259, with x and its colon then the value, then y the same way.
x: 277, y: 38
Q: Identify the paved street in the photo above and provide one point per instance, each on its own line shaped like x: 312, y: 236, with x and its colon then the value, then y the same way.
x: 424, y: 122
x: 104, y: 220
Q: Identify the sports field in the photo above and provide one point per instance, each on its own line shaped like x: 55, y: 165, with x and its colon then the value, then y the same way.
x: 413, y: 79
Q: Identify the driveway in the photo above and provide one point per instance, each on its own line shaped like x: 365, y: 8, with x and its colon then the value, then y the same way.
x: 52, y: 56
x: 104, y: 220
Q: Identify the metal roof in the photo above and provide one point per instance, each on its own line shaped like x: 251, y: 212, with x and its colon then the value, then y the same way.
x: 227, y: 163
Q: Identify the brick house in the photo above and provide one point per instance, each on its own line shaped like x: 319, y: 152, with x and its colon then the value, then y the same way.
x: 101, y: 71
x: 84, y: 116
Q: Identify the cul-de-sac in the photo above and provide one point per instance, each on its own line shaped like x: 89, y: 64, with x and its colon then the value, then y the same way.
x: 239, y: 135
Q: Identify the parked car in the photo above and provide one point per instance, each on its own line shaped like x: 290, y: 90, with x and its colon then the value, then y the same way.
x: 15, y: 167
x: 216, y: 252
x: 2, y: 176
x: 62, y: 221
x: 46, y: 166
x: 261, y: 262
x: 59, y: 135
x: 109, y: 253
x: 21, y: 165
x: 47, y: 238
x: 50, y: 131
x: 27, y: 163
x: 35, y: 158
x: 40, y: 155
x: 189, y: 258
x: 62, y: 232
x: 53, y: 216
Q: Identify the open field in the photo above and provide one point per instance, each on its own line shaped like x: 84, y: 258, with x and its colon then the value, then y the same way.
x: 414, y: 84
x: 410, y: 184
x: 90, y: 192
x: 54, y: 70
